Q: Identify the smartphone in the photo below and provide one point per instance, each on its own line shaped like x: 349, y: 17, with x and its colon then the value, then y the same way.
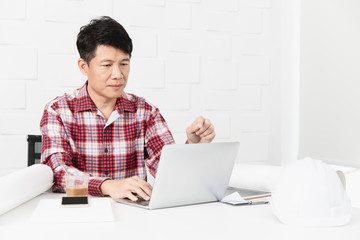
x: 68, y: 201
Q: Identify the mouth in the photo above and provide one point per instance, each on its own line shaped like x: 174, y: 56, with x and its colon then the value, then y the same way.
x: 115, y: 86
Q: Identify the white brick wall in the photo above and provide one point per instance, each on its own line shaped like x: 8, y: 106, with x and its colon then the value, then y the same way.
x: 183, y: 68
x: 15, y: 9
x: 213, y: 58
x: 18, y: 62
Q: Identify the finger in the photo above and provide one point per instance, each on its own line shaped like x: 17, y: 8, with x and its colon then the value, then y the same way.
x: 131, y: 196
x: 208, y: 131
x: 206, y: 125
x: 197, y: 124
x: 144, y: 185
x: 141, y: 187
x: 144, y: 190
x: 140, y: 192
x: 208, y: 138
x: 147, y: 188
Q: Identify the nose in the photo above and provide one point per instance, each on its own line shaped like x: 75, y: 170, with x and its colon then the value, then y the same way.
x: 116, y: 72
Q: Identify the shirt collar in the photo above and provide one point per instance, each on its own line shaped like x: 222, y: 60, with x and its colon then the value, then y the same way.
x: 123, y: 104
x: 85, y: 103
x: 83, y: 100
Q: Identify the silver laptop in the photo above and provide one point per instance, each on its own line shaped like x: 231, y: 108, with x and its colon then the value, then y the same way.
x: 191, y: 174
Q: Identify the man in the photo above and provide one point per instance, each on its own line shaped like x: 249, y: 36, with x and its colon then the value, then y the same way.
x: 102, y: 130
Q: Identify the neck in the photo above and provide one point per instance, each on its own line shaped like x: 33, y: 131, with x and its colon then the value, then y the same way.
x: 105, y: 109
x: 105, y: 106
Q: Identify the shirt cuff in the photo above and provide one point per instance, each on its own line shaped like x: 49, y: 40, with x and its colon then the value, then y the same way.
x: 94, y: 186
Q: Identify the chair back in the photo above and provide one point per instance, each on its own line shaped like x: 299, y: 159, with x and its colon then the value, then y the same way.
x: 34, y: 149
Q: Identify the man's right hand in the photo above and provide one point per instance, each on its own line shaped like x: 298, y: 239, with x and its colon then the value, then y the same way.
x: 127, y: 188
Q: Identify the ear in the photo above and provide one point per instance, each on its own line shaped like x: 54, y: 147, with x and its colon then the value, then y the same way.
x: 83, y: 66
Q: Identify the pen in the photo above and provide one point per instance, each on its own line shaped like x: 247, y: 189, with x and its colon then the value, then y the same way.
x: 258, y: 202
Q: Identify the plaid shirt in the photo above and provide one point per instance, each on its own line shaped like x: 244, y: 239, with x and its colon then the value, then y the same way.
x: 76, y: 134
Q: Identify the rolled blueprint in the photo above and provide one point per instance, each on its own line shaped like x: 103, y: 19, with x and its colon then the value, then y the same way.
x: 256, y: 177
x: 23, y: 185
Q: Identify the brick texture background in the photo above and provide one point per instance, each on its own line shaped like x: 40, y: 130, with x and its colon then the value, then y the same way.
x: 213, y: 58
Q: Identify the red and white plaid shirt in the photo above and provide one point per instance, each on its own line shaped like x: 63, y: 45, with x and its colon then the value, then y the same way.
x: 76, y: 134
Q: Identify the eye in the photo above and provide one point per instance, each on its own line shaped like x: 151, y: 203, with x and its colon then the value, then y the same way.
x: 106, y: 65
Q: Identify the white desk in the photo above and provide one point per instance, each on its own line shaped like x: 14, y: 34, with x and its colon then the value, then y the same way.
x: 203, y: 221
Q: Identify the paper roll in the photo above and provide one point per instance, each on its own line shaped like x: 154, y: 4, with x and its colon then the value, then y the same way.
x: 256, y: 177
x: 23, y: 185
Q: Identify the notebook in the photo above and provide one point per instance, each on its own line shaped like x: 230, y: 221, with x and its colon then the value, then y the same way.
x: 191, y: 174
x: 241, y: 196
x: 249, y: 194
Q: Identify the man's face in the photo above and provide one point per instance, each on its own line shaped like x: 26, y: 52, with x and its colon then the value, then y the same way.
x: 107, y: 73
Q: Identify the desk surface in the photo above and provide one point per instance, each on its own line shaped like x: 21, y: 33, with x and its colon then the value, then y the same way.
x: 203, y: 221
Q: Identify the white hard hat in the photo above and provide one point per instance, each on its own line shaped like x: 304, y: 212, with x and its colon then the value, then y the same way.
x: 310, y: 193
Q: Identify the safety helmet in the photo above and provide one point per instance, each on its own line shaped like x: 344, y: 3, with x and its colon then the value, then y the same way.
x: 310, y: 193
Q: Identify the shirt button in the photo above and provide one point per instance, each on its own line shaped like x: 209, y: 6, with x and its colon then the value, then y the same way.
x: 106, y: 150
x: 106, y: 173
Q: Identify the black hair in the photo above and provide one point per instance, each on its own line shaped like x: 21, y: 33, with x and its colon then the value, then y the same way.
x: 102, y: 31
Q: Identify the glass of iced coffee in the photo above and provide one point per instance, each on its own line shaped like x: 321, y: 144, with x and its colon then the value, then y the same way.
x: 77, y: 185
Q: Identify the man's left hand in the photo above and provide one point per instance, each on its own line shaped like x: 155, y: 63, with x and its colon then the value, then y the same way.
x: 200, y: 131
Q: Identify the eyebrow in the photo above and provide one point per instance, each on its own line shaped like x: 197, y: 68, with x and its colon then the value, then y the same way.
x: 110, y: 60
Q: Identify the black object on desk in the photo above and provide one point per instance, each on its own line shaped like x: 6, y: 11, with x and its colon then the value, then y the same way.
x: 74, y: 201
